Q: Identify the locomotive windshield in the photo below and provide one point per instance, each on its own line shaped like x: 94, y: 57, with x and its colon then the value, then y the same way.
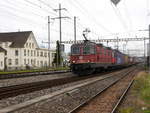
x: 89, y: 49
x: 75, y: 50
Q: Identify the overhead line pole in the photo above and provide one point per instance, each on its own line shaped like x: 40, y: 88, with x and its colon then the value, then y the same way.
x: 60, y: 24
x: 75, y: 29
x: 149, y: 49
x: 49, y: 41
x: 117, y: 43
x: 144, y: 52
x: 60, y: 17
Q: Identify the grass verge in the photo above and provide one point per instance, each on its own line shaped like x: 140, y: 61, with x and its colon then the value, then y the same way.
x: 139, y: 102
x: 33, y: 70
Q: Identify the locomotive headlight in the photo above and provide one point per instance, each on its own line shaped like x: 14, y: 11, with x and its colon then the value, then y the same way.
x: 73, y: 61
x: 88, y: 60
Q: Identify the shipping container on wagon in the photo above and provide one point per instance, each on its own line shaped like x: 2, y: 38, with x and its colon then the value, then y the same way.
x: 126, y: 59
x: 119, y: 58
x: 131, y: 59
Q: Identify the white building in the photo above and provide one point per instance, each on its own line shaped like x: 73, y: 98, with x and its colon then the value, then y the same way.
x: 22, y: 51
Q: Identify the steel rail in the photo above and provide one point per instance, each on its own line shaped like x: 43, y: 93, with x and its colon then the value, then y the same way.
x: 82, y: 104
x: 11, y: 91
x: 122, y: 96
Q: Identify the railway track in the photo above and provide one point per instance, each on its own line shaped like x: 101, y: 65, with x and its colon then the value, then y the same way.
x: 11, y: 91
x: 14, y: 90
x: 77, y: 92
x: 29, y: 74
x: 107, y: 100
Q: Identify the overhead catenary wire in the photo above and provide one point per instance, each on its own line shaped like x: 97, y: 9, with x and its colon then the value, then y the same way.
x: 40, y: 7
x: 83, y: 11
x: 91, y: 17
x: 147, y: 12
x: 46, y: 4
x: 128, y: 15
x: 118, y: 14
x: 17, y: 9
x: 20, y: 17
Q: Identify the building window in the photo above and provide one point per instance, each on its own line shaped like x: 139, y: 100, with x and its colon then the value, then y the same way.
x: 37, y: 53
x: 1, y: 63
x: 41, y: 54
x: 16, y: 61
x: 28, y: 52
x: 9, y: 61
x: 45, y: 54
x: 24, y: 52
x: 53, y: 55
x: 26, y: 44
x: 41, y: 62
x: 29, y: 45
x: 28, y: 61
x: 24, y: 61
x: 34, y: 61
x: 32, y: 45
x: 31, y: 61
x: 31, y: 53
x: 38, y: 63
x: 34, y: 53
x: 16, y: 53
x: 45, y: 64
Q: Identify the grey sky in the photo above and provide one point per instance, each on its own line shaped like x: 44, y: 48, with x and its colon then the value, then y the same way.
x: 100, y: 16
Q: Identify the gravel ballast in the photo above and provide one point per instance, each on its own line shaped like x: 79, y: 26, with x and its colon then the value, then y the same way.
x: 66, y: 102
x: 17, y: 81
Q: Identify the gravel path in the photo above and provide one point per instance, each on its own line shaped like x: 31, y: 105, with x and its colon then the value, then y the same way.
x: 17, y: 81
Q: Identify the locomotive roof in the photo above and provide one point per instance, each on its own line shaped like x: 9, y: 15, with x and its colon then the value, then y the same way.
x: 89, y: 42
x: 85, y: 42
x: 100, y: 44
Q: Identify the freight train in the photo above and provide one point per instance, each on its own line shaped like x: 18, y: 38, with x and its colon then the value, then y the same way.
x: 88, y: 57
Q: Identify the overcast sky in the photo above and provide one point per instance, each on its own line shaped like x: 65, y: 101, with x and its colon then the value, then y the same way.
x: 103, y: 18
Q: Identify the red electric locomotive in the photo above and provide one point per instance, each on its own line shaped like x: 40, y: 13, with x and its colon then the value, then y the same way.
x: 88, y: 57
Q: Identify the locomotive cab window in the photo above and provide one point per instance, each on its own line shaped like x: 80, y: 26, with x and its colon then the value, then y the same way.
x: 89, y: 49
x: 75, y: 50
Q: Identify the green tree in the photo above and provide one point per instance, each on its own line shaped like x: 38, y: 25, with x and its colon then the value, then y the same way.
x: 57, y: 59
